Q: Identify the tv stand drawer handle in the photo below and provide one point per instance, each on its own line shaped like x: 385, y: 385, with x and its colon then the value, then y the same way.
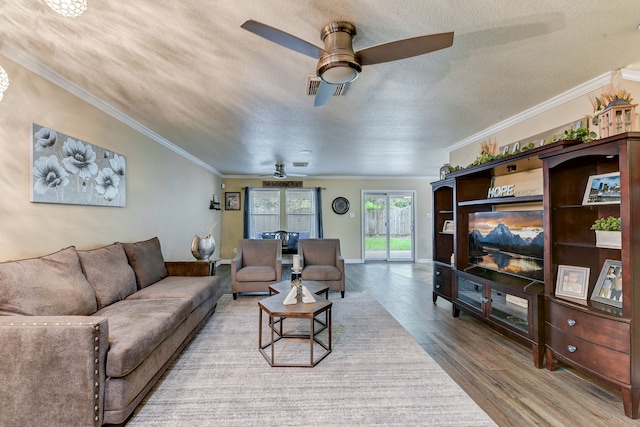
x: 571, y: 348
x: 571, y: 322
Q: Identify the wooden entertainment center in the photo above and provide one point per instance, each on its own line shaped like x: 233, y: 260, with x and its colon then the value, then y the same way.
x: 598, y: 338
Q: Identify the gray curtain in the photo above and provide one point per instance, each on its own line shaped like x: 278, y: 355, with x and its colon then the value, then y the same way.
x: 318, y: 191
x: 247, y: 212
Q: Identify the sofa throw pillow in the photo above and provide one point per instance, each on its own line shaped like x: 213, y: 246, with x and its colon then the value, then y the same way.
x: 52, y: 285
x: 147, y: 262
x: 108, y: 271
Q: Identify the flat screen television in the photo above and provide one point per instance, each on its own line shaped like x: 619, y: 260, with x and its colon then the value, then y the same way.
x: 511, y: 242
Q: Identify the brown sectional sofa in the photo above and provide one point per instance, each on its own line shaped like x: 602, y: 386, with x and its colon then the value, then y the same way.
x: 84, y: 335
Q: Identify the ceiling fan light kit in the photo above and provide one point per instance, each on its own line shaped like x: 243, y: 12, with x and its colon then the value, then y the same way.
x: 338, y: 63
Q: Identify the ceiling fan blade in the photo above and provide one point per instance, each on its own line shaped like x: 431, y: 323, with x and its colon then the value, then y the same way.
x: 324, y: 94
x: 405, y: 48
x: 283, y: 39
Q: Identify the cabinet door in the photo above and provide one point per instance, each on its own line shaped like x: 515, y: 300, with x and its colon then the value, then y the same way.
x: 471, y: 294
x: 510, y: 310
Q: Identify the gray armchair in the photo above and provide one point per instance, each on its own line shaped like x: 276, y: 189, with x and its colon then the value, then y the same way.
x: 257, y: 265
x: 322, y: 262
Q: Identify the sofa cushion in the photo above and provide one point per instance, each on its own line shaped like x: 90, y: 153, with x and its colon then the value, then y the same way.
x: 137, y: 327
x: 146, y: 260
x: 195, y: 289
x: 321, y: 273
x: 109, y: 273
x: 51, y: 285
x: 256, y: 273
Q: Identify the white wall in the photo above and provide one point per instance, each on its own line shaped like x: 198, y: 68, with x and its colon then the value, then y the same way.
x: 167, y: 195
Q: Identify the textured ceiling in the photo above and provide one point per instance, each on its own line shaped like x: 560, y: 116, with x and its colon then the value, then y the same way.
x: 188, y: 72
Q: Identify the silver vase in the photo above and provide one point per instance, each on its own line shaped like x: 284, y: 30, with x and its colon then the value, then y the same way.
x: 203, y: 247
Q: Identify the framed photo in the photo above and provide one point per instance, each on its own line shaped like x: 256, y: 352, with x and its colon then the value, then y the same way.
x: 448, y: 227
x: 572, y: 282
x: 66, y: 170
x: 232, y: 201
x: 608, y: 289
x: 602, y: 189
x: 216, y: 199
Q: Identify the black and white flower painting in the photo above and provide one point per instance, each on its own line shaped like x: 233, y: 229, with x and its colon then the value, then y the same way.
x: 70, y: 171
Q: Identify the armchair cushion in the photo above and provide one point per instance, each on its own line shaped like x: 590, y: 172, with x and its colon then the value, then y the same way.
x: 256, y: 273
x: 319, y: 252
x: 259, y: 253
x: 322, y: 273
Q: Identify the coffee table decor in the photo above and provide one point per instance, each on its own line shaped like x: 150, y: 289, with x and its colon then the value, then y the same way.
x: 298, y: 289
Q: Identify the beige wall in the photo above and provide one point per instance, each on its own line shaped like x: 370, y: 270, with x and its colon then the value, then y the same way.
x: 553, y: 118
x: 167, y: 195
x: 347, y: 229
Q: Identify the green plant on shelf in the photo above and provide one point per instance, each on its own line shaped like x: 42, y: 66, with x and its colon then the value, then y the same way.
x: 581, y: 134
x: 607, y: 224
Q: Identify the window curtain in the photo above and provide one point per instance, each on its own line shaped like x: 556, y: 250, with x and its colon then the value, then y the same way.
x: 247, y: 213
x: 318, y: 191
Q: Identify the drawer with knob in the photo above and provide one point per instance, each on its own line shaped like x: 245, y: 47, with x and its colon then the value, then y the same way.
x: 442, y: 283
x: 600, y: 330
x: 603, y: 360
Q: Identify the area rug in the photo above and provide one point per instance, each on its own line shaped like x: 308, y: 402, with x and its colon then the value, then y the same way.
x: 376, y: 375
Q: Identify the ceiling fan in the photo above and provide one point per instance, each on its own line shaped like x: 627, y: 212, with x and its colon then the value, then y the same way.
x: 279, y: 173
x: 337, y: 62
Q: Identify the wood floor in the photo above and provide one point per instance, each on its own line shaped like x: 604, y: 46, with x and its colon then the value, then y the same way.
x: 498, y: 373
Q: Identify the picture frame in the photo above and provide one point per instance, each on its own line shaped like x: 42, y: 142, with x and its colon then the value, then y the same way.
x: 448, y: 227
x: 67, y: 170
x: 216, y: 199
x: 572, y: 282
x: 603, y: 189
x: 232, y: 201
x: 608, y: 289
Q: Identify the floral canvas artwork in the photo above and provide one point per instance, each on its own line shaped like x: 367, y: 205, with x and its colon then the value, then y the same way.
x: 69, y: 171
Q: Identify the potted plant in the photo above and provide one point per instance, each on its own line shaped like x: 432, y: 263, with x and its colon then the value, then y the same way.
x: 608, y: 232
x: 576, y: 136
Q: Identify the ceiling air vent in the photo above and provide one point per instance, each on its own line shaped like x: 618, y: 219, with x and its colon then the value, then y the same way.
x: 313, y: 82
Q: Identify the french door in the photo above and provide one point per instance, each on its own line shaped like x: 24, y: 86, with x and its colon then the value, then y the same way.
x: 388, y: 225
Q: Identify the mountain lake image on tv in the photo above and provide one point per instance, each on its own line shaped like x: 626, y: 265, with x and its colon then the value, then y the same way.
x: 509, y: 241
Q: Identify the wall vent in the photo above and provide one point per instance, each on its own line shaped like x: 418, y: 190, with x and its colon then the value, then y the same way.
x: 300, y: 164
x: 313, y: 83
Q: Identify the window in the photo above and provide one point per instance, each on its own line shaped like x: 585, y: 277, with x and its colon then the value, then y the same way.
x: 283, y: 209
x: 264, y: 213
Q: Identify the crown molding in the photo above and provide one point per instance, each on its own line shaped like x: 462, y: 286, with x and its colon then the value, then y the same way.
x: 630, y: 74
x: 22, y: 58
x: 570, y: 95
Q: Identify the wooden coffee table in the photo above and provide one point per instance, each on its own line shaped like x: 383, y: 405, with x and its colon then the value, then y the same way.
x: 274, y: 308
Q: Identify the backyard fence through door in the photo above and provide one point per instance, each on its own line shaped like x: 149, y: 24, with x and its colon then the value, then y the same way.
x: 388, y: 225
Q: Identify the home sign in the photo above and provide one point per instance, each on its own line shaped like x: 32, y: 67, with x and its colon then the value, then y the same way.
x: 502, y: 191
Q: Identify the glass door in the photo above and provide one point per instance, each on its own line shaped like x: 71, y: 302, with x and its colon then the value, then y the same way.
x: 388, y: 226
